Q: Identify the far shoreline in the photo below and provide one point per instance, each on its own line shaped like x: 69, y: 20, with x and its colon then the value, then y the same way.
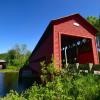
x: 8, y: 70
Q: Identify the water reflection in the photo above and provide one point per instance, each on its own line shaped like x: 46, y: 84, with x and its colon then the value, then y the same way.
x: 9, y: 81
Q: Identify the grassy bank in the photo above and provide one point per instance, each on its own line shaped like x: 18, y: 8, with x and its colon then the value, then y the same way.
x: 10, y: 69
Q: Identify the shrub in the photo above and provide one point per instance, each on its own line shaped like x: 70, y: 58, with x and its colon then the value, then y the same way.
x: 13, y: 96
x: 63, y: 86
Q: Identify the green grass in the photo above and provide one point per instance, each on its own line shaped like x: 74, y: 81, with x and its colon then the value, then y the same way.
x: 10, y: 69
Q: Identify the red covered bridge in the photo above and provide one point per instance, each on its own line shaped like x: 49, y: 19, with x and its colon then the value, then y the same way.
x: 70, y: 38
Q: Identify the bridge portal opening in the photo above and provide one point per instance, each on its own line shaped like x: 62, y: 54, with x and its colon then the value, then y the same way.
x: 76, y: 50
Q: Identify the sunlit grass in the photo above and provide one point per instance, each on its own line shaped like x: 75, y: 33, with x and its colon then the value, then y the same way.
x: 10, y: 69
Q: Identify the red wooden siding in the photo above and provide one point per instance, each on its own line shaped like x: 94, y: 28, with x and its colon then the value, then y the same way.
x: 43, y: 52
x: 50, y: 43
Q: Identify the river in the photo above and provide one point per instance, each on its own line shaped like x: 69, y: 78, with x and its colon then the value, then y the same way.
x: 9, y: 81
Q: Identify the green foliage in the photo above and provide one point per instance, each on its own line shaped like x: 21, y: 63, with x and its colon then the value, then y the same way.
x: 63, y: 86
x: 18, y: 56
x: 95, y: 21
x: 87, y: 87
x: 13, y: 96
x: 92, y: 20
x: 78, y: 87
x: 12, y: 67
x: 3, y: 56
x: 47, y: 72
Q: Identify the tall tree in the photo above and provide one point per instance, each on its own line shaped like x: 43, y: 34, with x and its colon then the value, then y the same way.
x: 95, y: 21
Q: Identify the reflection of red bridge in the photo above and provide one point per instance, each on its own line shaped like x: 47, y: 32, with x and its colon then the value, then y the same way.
x: 70, y: 38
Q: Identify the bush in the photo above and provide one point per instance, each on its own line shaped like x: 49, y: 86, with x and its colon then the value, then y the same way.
x: 78, y: 87
x: 63, y: 86
x: 13, y: 96
x: 12, y: 67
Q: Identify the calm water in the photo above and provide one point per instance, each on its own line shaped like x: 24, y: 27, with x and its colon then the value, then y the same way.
x: 9, y: 81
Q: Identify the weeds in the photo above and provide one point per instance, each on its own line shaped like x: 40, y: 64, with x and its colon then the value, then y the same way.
x: 61, y: 85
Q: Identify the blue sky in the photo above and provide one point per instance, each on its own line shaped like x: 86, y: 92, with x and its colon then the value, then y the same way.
x: 24, y: 21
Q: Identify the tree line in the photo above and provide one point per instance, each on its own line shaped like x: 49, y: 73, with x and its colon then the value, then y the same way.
x: 95, y: 21
x: 16, y: 56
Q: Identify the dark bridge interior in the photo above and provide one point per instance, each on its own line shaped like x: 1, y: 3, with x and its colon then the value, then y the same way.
x: 75, y: 50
